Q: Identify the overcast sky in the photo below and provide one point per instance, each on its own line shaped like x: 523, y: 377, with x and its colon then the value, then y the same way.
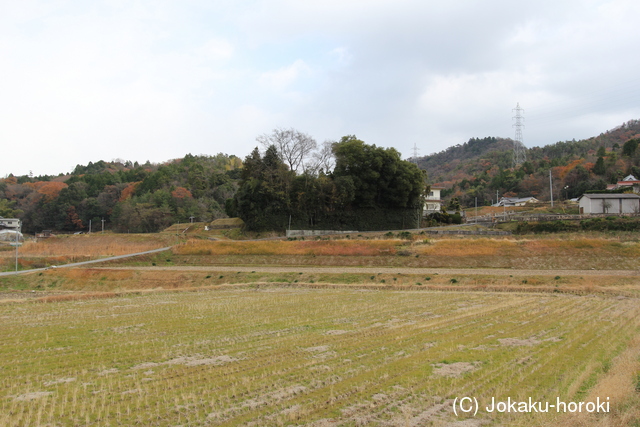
x: 154, y: 80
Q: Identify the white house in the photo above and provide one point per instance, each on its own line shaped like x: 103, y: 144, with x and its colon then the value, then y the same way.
x: 516, y: 201
x: 433, y: 202
x: 9, y: 223
x: 609, y: 203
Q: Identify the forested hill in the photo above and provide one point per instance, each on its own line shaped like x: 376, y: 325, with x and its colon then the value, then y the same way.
x: 482, y: 166
x: 463, y: 160
x: 128, y: 196
x: 148, y: 197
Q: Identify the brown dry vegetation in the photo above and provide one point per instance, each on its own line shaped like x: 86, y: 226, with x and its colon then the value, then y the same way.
x: 75, y: 248
x: 187, y: 278
x: 93, y: 245
x: 313, y: 248
x: 582, y: 252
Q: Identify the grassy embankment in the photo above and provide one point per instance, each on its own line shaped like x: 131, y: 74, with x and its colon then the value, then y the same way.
x: 532, y: 252
x: 228, y: 263
x: 65, y: 249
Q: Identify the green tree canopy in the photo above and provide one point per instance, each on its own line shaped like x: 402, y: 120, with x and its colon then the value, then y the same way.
x: 370, y: 187
x: 380, y: 177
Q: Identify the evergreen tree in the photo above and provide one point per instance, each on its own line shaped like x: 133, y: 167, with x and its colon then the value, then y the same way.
x: 599, y: 168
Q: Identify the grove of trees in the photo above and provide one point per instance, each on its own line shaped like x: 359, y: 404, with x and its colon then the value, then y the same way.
x: 369, y: 188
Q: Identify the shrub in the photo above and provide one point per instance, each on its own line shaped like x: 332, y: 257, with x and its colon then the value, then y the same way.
x: 456, y: 218
x: 405, y: 235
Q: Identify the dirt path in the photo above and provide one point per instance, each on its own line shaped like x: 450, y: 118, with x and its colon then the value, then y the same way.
x: 388, y: 270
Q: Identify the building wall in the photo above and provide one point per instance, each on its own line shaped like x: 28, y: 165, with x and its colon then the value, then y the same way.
x: 10, y: 223
x: 434, y: 194
x: 630, y: 206
x: 433, y: 201
x: 616, y: 206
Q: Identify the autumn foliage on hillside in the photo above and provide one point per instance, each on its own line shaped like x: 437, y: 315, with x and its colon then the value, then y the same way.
x: 481, y: 167
x: 128, y: 196
x: 132, y: 197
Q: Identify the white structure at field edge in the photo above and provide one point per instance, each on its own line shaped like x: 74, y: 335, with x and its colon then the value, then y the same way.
x: 609, y: 203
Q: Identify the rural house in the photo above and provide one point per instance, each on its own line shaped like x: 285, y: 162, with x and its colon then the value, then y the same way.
x: 609, y: 203
x: 629, y: 181
x: 433, y: 202
x: 516, y: 201
x: 9, y: 223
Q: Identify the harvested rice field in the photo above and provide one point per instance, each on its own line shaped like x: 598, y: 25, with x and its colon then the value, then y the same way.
x: 319, y: 357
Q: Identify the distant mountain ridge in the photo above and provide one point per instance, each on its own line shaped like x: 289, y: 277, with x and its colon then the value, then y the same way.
x: 482, y: 166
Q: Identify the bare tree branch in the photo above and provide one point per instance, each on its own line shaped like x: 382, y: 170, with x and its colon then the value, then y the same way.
x: 323, y: 159
x: 293, y: 146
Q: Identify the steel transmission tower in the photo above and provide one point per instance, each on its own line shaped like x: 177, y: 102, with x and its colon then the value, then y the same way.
x: 519, y: 153
x: 415, y: 150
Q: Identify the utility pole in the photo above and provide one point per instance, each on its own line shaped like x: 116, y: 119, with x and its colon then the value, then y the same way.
x: 551, y: 187
x: 89, y: 226
x: 18, y: 230
x: 519, y: 153
x: 476, y: 209
x: 102, y: 225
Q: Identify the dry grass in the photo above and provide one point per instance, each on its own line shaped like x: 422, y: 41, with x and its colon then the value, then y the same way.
x: 449, y: 247
x: 545, y: 253
x: 176, y: 278
x: 76, y: 297
x: 307, y: 357
x: 75, y: 248
x: 306, y: 248
x: 618, y: 386
x: 94, y: 245
x: 600, y: 247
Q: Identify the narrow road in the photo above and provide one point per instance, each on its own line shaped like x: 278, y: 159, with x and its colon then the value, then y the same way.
x: 78, y: 264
